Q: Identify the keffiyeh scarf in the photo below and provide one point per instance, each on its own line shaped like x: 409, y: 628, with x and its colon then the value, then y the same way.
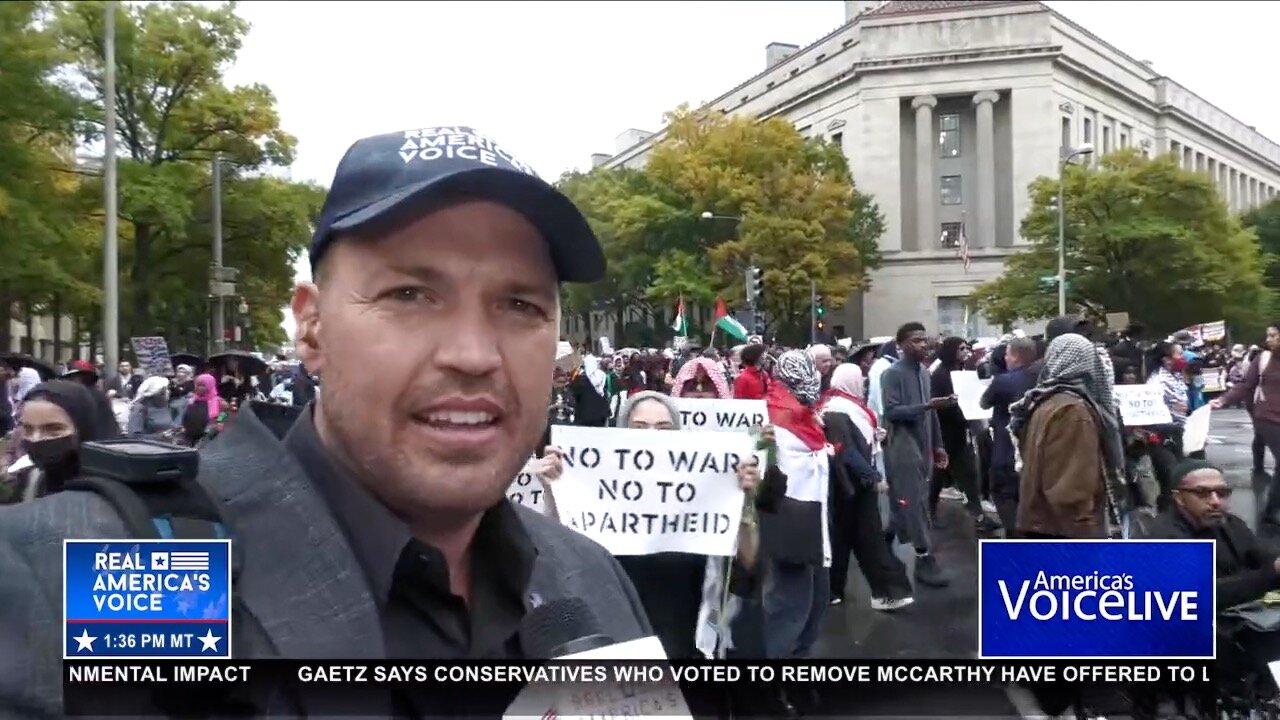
x: 796, y: 370
x: 1073, y: 365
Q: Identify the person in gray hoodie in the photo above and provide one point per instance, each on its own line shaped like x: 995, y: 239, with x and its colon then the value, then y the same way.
x: 914, y: 446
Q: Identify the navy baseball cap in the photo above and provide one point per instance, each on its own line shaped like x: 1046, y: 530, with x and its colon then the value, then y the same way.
x: 386, y: 177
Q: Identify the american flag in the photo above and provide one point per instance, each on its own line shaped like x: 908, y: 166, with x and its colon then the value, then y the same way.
x: 962, y: 248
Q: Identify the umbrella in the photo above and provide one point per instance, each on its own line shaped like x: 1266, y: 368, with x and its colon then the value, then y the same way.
x: 17, y: 362
x: 249, y: 364
x: 183, y: 358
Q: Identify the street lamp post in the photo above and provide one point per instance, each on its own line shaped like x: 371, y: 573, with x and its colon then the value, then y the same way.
x: 1067, y: 156
x: 111, y: 239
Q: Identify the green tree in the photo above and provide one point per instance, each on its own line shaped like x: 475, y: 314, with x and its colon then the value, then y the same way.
x: 635, y: 219
x: 174, y: 113
x: 785, y: 204
x: 41, y: 238
x: 1265, y: 223
x: 802, y: 218
x: 1143, y: 236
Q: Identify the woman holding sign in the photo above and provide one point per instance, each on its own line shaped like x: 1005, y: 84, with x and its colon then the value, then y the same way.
x: 678, y: 590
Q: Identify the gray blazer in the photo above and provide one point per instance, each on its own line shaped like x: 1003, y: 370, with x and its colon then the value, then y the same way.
x: 299, y: 577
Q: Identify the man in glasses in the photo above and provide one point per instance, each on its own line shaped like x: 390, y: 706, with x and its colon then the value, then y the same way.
x: 1247, y: 568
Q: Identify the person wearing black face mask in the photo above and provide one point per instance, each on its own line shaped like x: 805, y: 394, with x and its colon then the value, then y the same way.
x: 57, y: 417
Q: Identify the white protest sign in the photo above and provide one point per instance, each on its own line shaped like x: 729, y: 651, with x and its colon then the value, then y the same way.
x: 1215, y: 379
x: 527, y: 490
x: 1142, y: 405
x: 152, y: 354
x: 968, y: 389
x: 639, y: 492
x: 1195, y: 433
x: 723, y: 415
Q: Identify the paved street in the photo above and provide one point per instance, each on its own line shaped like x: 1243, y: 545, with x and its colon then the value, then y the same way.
x: 943, y: 623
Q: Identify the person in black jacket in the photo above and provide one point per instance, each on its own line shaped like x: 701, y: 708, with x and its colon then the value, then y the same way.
x: 961, y: 471
x: 1247, y: 569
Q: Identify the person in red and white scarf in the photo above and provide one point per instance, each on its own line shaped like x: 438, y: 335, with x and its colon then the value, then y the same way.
x: 795, y: 545
x: 855, y: 519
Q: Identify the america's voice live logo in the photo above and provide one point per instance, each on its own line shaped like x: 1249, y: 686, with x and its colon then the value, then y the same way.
x: 1082, y: 599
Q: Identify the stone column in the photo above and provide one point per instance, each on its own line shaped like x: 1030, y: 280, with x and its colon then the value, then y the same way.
x: 985, y: 236
x: 927, y: 228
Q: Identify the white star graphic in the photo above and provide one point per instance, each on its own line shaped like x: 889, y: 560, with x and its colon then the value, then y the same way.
x: 84, y: 640
x: 208, y: 641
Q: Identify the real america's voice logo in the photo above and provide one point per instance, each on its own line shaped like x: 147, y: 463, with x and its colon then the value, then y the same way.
x: 146, y: 599
x: 1083, y: 599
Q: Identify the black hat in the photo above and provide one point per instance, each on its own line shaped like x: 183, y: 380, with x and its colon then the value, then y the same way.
x: 390, y: 175
x: 1064, y: 324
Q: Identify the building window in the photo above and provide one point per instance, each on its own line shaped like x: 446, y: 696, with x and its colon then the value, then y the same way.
x: 950, y: 237
x: 838, y: 140
x: 949, y: 137
x: 1088, y: 130
x: 1066, y: 132
x: 1124, y: 137
x: 951, y: 192
x: 1106, y: 139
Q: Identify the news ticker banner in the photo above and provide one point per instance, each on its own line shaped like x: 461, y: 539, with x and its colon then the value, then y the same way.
x: 1096, y: 599
x: 146, y: 599
x: 604, y: 688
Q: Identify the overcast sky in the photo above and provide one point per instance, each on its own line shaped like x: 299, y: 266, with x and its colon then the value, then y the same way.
x: 555, y: 82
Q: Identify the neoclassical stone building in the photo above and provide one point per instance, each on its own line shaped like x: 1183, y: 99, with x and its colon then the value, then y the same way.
x: 947, y: 110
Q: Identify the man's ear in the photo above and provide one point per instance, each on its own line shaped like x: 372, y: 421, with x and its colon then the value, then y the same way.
x: 306, y: 319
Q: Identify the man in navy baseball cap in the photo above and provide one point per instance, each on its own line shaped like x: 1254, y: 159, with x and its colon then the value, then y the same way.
x: 387, y: 178
x: 432, y: 321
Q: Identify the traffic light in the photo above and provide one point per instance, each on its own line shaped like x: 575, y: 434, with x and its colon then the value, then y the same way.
x: 819, y: 311
x: 755, y: 287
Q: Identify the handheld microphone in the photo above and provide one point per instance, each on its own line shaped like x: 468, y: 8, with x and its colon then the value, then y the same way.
x: 561, y: 627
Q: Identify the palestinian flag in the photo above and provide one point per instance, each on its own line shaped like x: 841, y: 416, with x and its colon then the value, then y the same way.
x: 680, y: 327
x: 728, y: 323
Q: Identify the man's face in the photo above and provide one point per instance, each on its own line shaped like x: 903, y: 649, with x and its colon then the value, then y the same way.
x: 436, y: 344
x: 1202, y: 497
x: 915, y: 346
x: 182, y: 375
x: 125, y: 369
x: 1273, y: 339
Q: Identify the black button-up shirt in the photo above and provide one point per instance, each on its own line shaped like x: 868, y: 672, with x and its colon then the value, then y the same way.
x: 409, y: 579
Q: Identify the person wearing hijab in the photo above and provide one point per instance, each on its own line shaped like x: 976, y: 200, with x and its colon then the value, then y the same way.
x: 149, y: 414
x: 180, y: 390
x: 590, y: 394
x: 205, y: 415
x: 676, y: 589
x: 58, y: 417
x: 855, y: 524
x: 700, y: 377
x: 1064, y: 429
x: 795, y: 541
x: 84, y: 373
